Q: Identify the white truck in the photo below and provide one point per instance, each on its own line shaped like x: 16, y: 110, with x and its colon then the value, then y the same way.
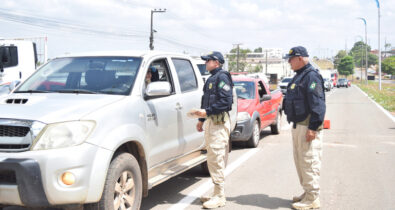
x: 86, y: 131
x: 18, y: 60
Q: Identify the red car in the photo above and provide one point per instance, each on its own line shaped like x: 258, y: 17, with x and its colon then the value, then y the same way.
x: 257, y: 109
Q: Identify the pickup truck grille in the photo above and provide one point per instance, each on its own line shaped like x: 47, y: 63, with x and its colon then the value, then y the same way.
x: 15, y: 135
x: 13, y: 131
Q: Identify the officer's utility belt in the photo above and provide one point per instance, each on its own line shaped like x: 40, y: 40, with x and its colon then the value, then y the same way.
x: 306, y: 123
x: 219, y: 119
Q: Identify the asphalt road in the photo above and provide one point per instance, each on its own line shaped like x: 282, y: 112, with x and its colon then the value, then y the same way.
x: 357, y: 169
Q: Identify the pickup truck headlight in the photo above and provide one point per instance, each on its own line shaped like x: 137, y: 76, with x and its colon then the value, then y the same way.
x: 241, y: 116
x: 64, y: 134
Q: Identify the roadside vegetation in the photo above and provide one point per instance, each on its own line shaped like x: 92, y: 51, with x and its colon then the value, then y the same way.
x: 385, y: 97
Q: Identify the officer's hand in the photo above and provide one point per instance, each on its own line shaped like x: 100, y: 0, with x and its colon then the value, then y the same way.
x: 199, y: 126
x: 311, y: 135
x: 201, y: 113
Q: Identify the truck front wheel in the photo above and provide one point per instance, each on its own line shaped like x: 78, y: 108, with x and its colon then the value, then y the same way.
x: 123, y: 187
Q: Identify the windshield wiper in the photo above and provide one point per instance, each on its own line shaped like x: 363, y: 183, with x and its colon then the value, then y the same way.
x: 33, y: 91
x: 76, y: 91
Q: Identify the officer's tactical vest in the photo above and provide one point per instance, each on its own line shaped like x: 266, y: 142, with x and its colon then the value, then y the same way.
x: 211, y: 91
x: 296, y: 104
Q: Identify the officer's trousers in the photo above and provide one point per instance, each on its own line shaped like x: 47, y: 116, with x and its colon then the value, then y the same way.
x: 216, y: 141
x: 307, y: 156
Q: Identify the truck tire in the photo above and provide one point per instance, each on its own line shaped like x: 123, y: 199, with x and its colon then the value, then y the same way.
x: 123, y: 187
x: 256, y: 134
x: 276, y: 127
x: 204, y: 165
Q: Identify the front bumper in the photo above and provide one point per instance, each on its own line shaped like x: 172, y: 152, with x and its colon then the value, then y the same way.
x: 33, y: 178
x: 243, y: 131
x: 29, y: 190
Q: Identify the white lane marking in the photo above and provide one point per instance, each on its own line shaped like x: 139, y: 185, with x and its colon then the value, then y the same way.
x: 339, y: 145
x: 187, y: 200
x: 389, y: 115
x: 389, y: 142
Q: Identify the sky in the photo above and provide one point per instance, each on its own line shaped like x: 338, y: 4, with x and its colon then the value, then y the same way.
x: 198, y: 26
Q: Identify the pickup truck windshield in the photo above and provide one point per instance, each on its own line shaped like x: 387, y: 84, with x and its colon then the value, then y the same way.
x: 85, y: 75
x: 244, y: 89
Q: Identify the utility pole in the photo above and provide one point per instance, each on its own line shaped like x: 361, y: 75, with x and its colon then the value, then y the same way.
x: 378, y: 11
x: 151, y: 38
x: 237, y: 56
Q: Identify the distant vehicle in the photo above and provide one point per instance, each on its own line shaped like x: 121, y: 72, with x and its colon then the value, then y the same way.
x: 334, y: 77
x: 284, y: 83
x: 257, y: 109
x: 342, y: 83
x: 328, y: 85
x: 18, y: 60
x: 260, y: 76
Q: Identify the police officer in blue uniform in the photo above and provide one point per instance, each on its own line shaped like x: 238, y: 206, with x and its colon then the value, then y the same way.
x: 304, y: 105
x: 216, y: 103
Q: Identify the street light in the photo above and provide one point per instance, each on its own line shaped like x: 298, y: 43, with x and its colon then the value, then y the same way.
x: 378, y: 9
x: 366, y: 50
x: 151, y: 38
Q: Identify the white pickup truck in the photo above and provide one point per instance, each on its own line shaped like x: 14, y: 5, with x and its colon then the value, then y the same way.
x: 86, y: 131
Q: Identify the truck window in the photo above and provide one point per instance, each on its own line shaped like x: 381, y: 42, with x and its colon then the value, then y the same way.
x: 261, y: 89
x: 162, y: 67
x: 245, y: 89
x: 186, y: 74
x: 105, y: 75
x: 202, y: 69
x: 9, y: 56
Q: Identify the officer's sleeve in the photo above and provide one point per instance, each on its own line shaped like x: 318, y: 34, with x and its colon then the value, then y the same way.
x: 224, y: 96
x: 316, y: 100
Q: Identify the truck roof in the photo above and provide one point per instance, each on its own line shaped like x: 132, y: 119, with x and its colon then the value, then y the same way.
x: 132, y: 53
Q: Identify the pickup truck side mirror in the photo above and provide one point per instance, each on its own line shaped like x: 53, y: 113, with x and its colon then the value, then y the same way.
x: 157, y: 89
x: 266, y: 97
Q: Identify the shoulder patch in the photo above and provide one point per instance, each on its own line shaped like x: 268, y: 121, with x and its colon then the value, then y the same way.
x: 312, y: 85
x: 226, y: 87
x: 221, y: 84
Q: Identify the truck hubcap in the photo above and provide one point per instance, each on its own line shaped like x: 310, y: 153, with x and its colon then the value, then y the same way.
x: 124, y: 191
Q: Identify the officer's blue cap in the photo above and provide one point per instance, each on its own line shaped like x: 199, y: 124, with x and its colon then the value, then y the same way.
x: 215, y: 55
x: 297, y: 51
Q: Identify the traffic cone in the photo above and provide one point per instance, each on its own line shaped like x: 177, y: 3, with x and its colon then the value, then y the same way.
x: 327, y: 124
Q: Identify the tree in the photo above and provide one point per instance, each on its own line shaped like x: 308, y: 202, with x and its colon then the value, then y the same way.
x: 233, y: 59
x: 341, y: 54
x: 388, y: 65
x: 346, y: 66
x: 372, y: 59
x: 258, y: 50
x: 358, y: 51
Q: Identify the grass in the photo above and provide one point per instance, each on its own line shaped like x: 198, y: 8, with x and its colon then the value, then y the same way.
x: 385, y: 97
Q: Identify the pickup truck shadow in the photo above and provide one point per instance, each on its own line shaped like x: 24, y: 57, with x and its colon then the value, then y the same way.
x: 169, y: 191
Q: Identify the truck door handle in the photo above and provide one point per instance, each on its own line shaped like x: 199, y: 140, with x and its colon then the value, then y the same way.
x: 178, y: 106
